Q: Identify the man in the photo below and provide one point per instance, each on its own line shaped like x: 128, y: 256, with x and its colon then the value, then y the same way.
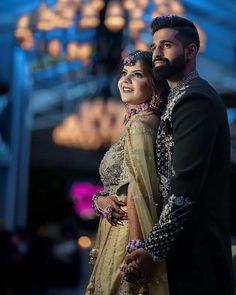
x: 193, y: 157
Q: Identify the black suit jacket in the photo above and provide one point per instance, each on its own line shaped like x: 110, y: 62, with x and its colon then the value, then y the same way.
x: 193, y: 158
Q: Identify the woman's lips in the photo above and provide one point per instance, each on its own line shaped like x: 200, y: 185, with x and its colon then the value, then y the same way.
x: 127, y: 89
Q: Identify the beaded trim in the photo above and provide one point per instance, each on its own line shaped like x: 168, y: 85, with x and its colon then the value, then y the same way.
x: 189, y: 77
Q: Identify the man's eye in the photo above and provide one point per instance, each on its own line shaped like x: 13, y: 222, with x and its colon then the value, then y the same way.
x: 167, y: 45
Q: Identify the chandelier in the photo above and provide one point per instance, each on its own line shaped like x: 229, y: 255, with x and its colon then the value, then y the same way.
x: 96, y: 125
x: 79, y: 18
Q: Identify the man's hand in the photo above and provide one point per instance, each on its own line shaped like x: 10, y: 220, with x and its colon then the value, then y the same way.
x: 140, y: 264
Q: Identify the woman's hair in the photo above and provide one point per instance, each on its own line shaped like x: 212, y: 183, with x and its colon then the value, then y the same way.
x: 145, y: 58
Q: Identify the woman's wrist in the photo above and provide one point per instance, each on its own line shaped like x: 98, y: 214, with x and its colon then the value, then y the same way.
x: 134, y: 245
x: 125, y: 268
x: 105, y: 212
x: 98, y: 209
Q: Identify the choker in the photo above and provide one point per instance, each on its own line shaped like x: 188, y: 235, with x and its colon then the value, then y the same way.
x: 156, y: 105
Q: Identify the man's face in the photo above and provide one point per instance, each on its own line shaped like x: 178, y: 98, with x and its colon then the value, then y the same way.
x: 168, y: 54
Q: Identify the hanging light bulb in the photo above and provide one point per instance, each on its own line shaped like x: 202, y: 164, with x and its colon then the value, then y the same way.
x: 136, y: 23
x: 98, y: 4
x: 54, y: 47
x: 84, y: 52
x: 89, y: 17
x: 114, y: 18
x: 129, y: 4
x: 141, y: 45
x: 46, y: 18
x: 166, y: 7
x: 97, y: 125
x: 72, y: 51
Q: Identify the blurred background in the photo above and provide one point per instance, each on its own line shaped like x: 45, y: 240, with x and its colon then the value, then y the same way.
x: 59, y: 113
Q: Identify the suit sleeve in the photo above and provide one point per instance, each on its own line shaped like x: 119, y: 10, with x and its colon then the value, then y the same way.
x: 194, y: 130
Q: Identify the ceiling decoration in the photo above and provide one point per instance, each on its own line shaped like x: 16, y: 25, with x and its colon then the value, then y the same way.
x: 67, y: 26
x: 96, y: 125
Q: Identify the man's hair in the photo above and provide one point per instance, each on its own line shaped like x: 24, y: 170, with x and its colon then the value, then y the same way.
x: 186, y: 30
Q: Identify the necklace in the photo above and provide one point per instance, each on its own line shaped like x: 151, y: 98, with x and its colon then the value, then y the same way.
x: 135, y: 110
x: 156, y: 105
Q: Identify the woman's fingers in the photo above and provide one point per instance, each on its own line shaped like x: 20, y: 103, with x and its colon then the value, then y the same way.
x: 117, y: 213
x: 117, y: 201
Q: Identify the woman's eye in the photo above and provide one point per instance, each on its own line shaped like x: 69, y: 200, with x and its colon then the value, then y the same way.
x: 123, y: 73
x: 138, y: 75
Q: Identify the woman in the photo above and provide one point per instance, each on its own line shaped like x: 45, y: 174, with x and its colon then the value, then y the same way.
x: 128, y: 204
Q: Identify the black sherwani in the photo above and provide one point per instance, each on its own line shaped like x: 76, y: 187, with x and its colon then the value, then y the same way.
x: 193, y: 158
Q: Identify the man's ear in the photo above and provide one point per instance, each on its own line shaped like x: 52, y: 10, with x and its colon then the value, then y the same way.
x: 191, y: 51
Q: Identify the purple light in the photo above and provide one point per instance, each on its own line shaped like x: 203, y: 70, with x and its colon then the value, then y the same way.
x: 81, y: 193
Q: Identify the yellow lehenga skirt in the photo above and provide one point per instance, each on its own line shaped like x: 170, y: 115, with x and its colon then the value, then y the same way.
x: 137, y: 150
x: 108, y: 255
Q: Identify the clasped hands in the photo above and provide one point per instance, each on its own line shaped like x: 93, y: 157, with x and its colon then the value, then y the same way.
x: 138, y: 266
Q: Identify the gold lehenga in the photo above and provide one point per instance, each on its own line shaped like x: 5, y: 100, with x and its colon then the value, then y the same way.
x: 129, y: 161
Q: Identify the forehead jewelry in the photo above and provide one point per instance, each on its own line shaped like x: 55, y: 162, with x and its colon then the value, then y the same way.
x: 130, y: 60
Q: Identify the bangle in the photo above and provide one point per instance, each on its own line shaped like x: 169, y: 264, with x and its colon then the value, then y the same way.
x: 98, y: 210
x: 124, y: 272
x: 105, y: 213
x: 134, y: 245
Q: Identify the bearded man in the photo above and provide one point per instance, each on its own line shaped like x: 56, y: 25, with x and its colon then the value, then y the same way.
x: 193, y: 161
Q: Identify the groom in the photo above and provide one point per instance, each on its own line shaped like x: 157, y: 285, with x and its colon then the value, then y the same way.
x: 193, y: 158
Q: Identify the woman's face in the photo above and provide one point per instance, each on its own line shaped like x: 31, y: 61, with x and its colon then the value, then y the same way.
x: 135, y: 84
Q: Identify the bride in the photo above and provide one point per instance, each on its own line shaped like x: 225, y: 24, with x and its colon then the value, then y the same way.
x: 128, y: 206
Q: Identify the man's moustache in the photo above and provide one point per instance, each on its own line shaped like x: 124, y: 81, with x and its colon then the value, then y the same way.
x: 165, y: 60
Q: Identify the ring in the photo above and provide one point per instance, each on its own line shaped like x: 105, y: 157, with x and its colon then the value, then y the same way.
x: 107, y: 212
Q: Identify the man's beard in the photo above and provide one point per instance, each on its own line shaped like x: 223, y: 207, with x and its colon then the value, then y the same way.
x: 170, y: 69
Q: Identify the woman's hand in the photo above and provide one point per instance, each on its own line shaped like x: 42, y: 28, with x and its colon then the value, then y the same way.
x: 117, y: 214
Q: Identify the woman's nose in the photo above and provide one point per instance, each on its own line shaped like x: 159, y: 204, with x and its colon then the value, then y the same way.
x: 128, y: 79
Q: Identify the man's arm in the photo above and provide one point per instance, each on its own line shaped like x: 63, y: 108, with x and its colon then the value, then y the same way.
x: 194, y: 131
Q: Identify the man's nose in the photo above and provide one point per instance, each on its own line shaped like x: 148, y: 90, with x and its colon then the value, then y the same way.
x: 157, y: 52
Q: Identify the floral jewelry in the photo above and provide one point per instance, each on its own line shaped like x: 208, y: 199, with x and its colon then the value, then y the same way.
x: 156, y: 105
x: 107, y: 213
x: 130, y: 60
x: 132, y: 246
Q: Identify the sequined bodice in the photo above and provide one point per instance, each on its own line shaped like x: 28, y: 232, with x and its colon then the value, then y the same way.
x: 113, y: 170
